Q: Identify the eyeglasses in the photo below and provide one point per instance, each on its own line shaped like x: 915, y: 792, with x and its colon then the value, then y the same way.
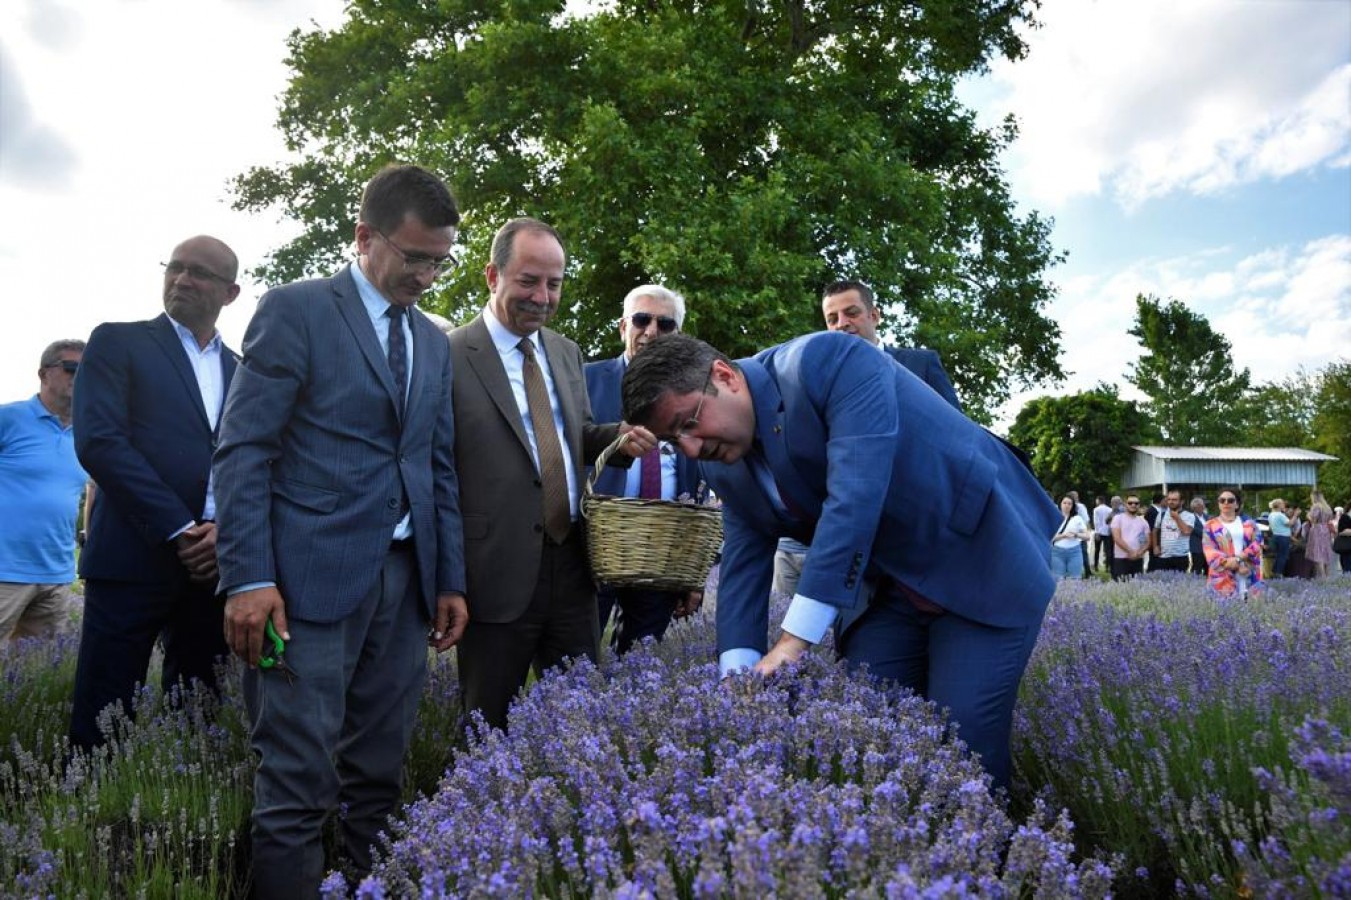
x: 66, y: 365
x: 419, y: 263
x: 195, y: 272
x: 1132, y: 502
x: 1228, y: 499
x: 665, y: 324
x: 693, y: 421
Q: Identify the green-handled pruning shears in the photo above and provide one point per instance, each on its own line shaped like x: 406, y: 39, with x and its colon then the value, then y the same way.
x: 274, y: 654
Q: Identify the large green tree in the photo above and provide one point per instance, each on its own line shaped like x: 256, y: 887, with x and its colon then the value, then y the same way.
x: 1281, y: 413
x: 1196, y: 394
x: 1332, y: 430
x: 743, y: 153
x: 1082, y: 441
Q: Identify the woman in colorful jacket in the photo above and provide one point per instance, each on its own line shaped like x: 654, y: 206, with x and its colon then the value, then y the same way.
x: 1233, y: 548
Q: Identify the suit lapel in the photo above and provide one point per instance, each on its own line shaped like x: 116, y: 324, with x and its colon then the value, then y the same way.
x: 166, y: 336
x: 487, y: 367
x: 353, y: 313
x: 769, y: 433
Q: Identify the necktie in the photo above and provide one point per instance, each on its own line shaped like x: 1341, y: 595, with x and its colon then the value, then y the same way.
x: 649, y: 478
x: 398, y: 354
x: 553, y: 477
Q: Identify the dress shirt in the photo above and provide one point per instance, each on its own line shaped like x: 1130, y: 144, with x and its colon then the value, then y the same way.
x: 513, y: 360
x: 205, y: 362
x: 377, y: 307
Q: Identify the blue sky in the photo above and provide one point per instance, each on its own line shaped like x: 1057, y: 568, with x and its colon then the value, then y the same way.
x: 1194, y: 149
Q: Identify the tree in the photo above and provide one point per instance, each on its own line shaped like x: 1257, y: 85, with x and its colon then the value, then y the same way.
x: 1080, y: 442
x: 744, y: 153
x: 1187, y: 372
x: 1332, y: 430
x: 1281, y: 413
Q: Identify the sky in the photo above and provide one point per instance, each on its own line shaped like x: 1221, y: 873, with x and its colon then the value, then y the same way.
x: 1196, y: 150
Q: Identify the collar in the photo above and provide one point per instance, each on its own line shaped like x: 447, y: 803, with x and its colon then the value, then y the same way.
x: 185, y: 334
x: 503, y: 339
x: 371, y: 298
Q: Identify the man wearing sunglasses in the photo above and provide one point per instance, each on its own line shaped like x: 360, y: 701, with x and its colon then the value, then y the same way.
x: 146, y: 416
x: 40, y: 484
x: 650, y: 311
x: 826, y: 440
x: 1130, y: 540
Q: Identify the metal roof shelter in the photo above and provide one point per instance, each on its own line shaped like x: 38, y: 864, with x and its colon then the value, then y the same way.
x: 1245, y: 467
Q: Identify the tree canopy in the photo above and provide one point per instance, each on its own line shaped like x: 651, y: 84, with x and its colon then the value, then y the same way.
x: 1082, y: 441
x: 742, y: 153
x: 1187, y: 371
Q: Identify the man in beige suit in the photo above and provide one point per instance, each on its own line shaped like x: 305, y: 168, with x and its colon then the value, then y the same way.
x: 532, y: 599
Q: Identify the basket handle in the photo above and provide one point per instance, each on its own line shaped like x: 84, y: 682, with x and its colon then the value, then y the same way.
x: 600, y: 465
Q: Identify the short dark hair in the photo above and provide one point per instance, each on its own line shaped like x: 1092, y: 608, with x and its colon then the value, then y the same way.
x: 397, y: 190
x: 504, y: 242
x: 1233, y: 490
x: 1158, y: 497
x: 52, y: 355
x: 674, y: 363
x: 865, y: 293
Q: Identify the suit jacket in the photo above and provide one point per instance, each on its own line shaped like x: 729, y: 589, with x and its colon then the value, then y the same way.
x: 881, y: 476
x: 142, y: 434
x: 928, y: 368
x: 500, y: 490
x: 314, y: 462
x: 603, y: 380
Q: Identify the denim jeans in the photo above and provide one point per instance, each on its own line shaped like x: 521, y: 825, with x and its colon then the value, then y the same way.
x: 1066, y: 562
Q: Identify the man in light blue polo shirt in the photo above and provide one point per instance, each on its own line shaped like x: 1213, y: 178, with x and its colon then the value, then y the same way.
x: 40, y: 485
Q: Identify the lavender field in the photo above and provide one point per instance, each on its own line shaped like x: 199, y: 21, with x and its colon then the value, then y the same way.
x: 1166, y: 743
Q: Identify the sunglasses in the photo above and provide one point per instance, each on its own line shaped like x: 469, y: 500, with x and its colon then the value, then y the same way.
x: 1228, y: 499
x: 66, y: 365
x: 665, y: 324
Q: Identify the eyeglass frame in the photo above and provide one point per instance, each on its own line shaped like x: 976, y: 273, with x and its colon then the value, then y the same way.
x: 1226, y: 500
x: 173, y: 268
x: 665, y: 324
x: 69, y: 366
x: 693, y: 421
x: 417, y: 263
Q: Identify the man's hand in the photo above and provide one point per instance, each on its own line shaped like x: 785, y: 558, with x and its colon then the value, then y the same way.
x: 688, y: 605
x: 789, y: 649
x: 640, y: 440
x: 452, y: 615
x: 246, y: 615
x: 196, y: 548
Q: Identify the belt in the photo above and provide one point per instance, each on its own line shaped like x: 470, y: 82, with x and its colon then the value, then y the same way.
x: 401, y: 546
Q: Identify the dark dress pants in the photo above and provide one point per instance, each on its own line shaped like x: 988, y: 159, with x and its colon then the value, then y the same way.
x: 1281, y: 543
x: 972, y: 670
x: 334, y: 737
x: 122, y: 619
x: 642, y: 614
x: 495, y: 658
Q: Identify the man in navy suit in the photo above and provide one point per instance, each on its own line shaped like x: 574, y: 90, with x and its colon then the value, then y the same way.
x: 927, y: 532
x: 849, y: 306
x: 649, y: 310
x: 145, y: 418
x: 340, y: 525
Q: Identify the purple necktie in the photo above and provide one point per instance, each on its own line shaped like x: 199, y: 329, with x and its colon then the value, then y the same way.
x: 649, y: 484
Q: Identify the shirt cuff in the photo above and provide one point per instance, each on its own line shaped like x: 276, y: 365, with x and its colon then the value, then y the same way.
x: 809, y: 619
x: 249, y: 586
x: 180, y: 531
x: 737, y: 659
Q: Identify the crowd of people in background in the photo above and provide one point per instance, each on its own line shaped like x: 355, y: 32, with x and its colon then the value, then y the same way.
x: 1232, y: 549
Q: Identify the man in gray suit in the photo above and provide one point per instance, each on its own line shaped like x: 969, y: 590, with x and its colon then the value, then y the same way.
x: 523, y: 440
x: 340, y: 525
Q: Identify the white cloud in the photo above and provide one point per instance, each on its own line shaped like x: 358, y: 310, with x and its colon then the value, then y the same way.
x: 1145, y: 98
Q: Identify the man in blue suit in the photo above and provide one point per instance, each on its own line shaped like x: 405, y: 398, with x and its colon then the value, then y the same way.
x: 849, y: 306
x: 145, y: 418
x: 927, y: 533
x: 340, y: 525
x: 649, y: 310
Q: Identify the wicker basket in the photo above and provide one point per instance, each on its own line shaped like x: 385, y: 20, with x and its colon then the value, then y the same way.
x: 656, y: 544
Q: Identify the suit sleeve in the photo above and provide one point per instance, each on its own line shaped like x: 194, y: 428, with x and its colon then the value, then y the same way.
x: 450, y: 576
x: 743, y: 589
x: 854, y: 390
x: 258, y: 407
x: 595, y: 438
x: 101, y: 415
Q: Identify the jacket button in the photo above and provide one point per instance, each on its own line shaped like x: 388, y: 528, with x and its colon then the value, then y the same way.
x: 392, y: 503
